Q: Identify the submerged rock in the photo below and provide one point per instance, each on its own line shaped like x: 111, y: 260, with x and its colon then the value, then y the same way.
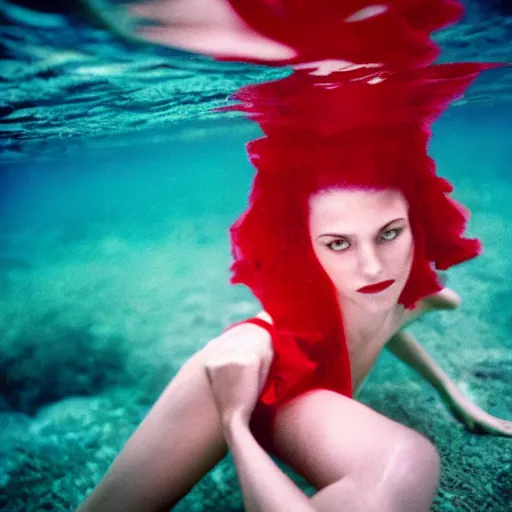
x: 43, y: 365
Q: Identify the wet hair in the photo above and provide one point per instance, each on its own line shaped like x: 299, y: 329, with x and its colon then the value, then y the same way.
x: 271, y: 246
x: 362, y: 128
x: 366, y: 128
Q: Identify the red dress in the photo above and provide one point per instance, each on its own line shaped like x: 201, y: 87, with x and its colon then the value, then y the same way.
x: 302, y: 362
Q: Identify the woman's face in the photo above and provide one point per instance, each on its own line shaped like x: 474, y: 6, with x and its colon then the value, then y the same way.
x: 363, y: 238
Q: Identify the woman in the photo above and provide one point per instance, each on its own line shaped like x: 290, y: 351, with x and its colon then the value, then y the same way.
x: 344, y: 224
x: 346, y: 220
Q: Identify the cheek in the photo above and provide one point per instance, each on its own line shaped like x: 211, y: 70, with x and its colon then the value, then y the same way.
x: 398, y: 253
x: 405, y: 252
x: 338, y: 268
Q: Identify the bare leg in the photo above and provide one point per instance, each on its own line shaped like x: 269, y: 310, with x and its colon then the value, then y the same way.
x: 177, y: 443
x: 358, y: 459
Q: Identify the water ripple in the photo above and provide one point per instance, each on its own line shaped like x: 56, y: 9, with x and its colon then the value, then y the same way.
x: 63, y: 79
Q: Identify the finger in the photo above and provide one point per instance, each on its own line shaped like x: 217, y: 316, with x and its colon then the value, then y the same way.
x: 506, y: 427
x: 493, y: 428
x: 266, y: 362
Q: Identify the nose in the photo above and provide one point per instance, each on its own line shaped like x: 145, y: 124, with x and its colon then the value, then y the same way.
x: 369, y: 262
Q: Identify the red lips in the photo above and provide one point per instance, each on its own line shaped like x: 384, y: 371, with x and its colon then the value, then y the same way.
x: 377, y: 287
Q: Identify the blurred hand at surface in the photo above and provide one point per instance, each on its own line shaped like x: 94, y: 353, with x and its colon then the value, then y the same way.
x: 395, y: 33
x: 208, y: 27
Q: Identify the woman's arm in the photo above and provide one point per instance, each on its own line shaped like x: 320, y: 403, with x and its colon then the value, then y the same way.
x: 236, y: 377
x: 406, y: 348
x: 264, y: 486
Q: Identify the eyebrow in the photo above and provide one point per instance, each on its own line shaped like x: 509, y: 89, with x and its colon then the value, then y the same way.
x: 348, y: 235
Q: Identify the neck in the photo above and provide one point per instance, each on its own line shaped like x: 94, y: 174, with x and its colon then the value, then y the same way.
x: 363, y: 325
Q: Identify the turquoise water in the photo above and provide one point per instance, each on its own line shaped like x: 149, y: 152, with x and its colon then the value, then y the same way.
x: 114, y: 269
x: 114, y: 261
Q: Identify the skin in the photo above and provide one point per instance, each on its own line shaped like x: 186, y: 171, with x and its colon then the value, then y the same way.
x: 329, y: 438
x: 209, y: 27
x: 358, y: 250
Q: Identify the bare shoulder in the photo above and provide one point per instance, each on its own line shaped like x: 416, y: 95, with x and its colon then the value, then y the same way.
x: 240, y: 336
x: 444, y: 299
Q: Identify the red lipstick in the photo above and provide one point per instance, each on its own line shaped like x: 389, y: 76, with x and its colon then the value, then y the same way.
x: 377, y: 287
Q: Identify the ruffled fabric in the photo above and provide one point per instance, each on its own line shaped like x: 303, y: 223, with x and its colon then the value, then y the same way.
x: 299, y: 364
x: 302, y: 361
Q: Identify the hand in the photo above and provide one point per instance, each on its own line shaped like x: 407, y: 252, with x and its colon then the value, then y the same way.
x: 476, y: 419
x: 238, y: 369
x: 209, y: 27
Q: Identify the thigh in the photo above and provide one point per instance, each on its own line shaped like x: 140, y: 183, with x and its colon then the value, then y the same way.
x: 326, y: 436
x: 177, y: 443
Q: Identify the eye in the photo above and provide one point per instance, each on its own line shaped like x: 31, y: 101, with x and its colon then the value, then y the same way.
x: 390, y: 234
x: 338, y: 245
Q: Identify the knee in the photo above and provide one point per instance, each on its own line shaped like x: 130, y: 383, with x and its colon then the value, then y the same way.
x: 410, y: 475
x: 420, y: 456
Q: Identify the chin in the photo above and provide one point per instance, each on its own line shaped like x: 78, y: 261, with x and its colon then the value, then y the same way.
x: 379, y: 302
x: 379, y: 306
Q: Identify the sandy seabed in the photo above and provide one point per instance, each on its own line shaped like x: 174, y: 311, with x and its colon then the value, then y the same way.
x: 95, y: 319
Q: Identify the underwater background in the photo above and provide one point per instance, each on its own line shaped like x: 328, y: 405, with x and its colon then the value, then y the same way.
x: 117, y: 188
